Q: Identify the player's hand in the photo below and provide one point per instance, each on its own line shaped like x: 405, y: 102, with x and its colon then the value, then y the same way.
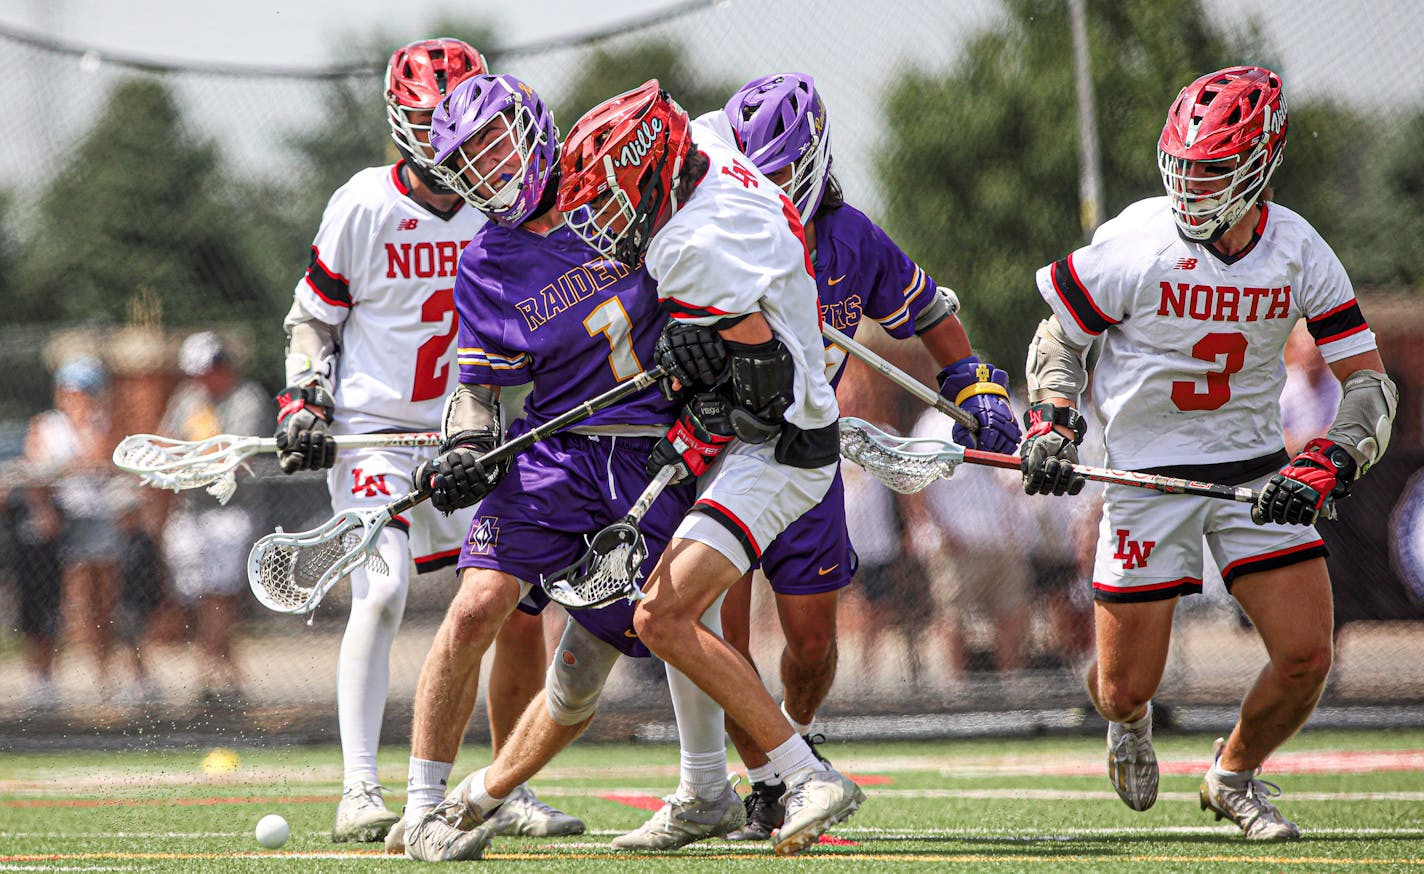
x: 1323, y: 471
x: 303, y: 438
x: 695, y: 440
x: 1047, y: 459
x: 693, y: 355
x: 983, y: 391
x: 456, y: 478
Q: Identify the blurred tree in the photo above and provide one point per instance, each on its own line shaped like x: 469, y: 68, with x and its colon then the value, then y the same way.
x: 981, y: 177
x: 138, y: 204
x: 608, y: 72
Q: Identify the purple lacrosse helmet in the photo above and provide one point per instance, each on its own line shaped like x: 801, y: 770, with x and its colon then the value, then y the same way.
x: 780, y: 122
x: 496, y: 145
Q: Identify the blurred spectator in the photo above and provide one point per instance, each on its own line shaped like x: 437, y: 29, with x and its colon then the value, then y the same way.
x: 75, y: 441
x: 34, y: 526
x: 142, y: 583
x: 973, y: 534
x: 1311, y: 394
x: 206, y: 544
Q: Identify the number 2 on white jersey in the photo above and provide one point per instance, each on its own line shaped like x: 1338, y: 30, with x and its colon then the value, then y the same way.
x: 432, y: 371
x: 611, y: 320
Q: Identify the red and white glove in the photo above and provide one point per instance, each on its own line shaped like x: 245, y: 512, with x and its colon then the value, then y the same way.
x: 696, y: 439
x: 1323, y: 471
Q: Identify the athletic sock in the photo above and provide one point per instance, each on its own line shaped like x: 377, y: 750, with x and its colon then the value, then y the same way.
x: 425, y: 788
x: 1144, y: 722
x: 704, y: 774
x: 793, y: 758
x: 360, y: 768
x: 479, y: 795
x: 765, y: 774
x: 802, y: 728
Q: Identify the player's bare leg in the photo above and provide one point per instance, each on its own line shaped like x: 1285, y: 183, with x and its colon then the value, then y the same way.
x: 1132, y: 654
x: 1297, y: 633
x: 686, y: 581
x: 449, y: 682
x: 517, y: 674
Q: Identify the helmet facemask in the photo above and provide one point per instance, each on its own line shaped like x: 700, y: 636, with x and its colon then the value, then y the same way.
x: 514, y: 134
x: 1203, y: 212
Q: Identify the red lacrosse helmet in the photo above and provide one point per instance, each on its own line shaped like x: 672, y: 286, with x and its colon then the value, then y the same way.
x: 620, y: 167
x: 418, y: 76
x: 1234, y: 119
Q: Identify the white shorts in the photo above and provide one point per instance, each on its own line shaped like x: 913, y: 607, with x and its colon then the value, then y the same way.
x: 365, y: 478
x: 1150, y: 544
x: 748, y: 498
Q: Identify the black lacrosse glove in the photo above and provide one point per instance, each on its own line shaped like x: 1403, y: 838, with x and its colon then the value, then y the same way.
x: 695, y: 440
x: 456, y: 478
x: 1323, y: 471
x: 1047, y: 456
x: 694, y: 355
x: 303, y: 438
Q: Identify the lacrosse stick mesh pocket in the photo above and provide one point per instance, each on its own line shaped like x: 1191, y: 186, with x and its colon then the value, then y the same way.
x: 904, y: 471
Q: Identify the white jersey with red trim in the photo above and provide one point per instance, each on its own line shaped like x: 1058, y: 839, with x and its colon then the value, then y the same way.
x: 1191, y: 368
x: 383, y: 269
x: 737, y: 246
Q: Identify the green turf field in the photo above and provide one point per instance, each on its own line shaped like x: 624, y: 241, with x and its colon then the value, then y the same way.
x: 1040, y: 805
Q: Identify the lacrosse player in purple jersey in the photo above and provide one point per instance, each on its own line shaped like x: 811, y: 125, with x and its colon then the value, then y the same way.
x: 369, y: 349
x: 780, y: 123
x: 538, y: 305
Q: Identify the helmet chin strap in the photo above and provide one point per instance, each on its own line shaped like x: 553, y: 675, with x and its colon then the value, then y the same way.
x: 435, y: 186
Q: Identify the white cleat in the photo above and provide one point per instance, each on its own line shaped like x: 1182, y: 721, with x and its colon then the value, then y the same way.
x: 1132, y: 765
x: 438, y: 837
x: 522, y: 813
x: 362, y: 814
x: 684, y: 819
x: 815, y: 801
x: 395, y: 839
x: 1248, y: 805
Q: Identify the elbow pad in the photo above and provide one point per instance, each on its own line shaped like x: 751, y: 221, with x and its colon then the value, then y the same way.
x: 763, y: 380
x: 1365, y: 419
x: 944, y: 304
x: 312, y: 347
x: 471, y: 415
x: 1056, y: 366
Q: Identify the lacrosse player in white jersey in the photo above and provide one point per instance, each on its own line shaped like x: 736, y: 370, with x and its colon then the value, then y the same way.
x: 371, y: 348
x: 1192, y: 297
x: 645, y: 185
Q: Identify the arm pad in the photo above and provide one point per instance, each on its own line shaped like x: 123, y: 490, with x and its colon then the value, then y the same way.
x: 1365, y: 418
x: 763, y: 386
x: 1056, y: 366
x: 471, y: 409
x: 944, y: 304
x: 312, y: 346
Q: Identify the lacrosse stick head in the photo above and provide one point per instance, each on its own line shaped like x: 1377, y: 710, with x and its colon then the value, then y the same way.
x: 167, y: 463
x: 292, y: 572
x: 608, y: 570
x: 905, y: 464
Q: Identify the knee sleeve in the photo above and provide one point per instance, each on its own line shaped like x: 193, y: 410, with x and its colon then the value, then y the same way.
x: 576, y: 676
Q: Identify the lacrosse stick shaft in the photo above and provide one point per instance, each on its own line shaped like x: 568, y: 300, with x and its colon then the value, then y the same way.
x: 901, y: 378
x: 1171, y: 485
x: 650, y: 494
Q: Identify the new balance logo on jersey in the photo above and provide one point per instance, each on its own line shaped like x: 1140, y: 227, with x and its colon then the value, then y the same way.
x: 1185, y: 264
x: 407, y: 224
x: 484, y: 535
x: 1132, y: 553
x: 1224, y: 303
x: 368, y: 486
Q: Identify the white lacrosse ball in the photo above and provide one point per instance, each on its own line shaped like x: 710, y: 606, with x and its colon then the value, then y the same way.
x: 273, y: 831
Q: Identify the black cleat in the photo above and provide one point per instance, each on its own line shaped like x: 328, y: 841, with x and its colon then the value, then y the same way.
x: 765, y: 812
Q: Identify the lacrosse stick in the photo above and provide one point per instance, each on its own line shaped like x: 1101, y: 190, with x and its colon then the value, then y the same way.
x: 169, y: 463
x: 902, y: 379
x: 909, y: 464
x: 292, y: 572
x: 609, y: 570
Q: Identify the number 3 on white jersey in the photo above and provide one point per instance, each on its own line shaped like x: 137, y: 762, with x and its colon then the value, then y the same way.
x: 611, y: 320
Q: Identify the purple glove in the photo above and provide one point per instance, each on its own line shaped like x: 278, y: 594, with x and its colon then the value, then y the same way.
x: 983, y: 391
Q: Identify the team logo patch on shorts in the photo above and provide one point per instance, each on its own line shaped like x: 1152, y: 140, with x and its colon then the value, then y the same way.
x: 1132, y: 553
x: 368, y: 485
x: 484, y: 535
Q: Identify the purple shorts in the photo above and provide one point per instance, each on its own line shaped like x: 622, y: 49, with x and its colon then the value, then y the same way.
x: 558, y: 492
x: 813, y: 554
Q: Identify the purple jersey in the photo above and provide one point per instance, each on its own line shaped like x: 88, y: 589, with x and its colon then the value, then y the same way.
x: 861, y: 272
x: 550, y: 311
